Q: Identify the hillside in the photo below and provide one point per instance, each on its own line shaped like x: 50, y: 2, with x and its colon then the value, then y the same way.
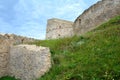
x: 95, y: 55
x: 92, y: 56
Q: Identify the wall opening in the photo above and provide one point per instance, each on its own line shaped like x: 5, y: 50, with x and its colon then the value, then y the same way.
x: 59, y: 27
x: 79, y: 21
x: 58, y: 34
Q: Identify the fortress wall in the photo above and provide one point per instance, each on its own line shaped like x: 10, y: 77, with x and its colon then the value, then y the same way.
x: 29, y: 62
x: 6, y: 40
x: 26, y: 62
x: 97, y: 14
x: 57, y: 28
x: 4, y: 57
x: 15, y: 39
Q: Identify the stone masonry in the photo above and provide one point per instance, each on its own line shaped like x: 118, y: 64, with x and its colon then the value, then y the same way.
x: 29, y: 62
x: 26, y: 62
x: 6, y: 40
x: 4, y: 57
x: 97, y: 14
x: 15, y: 39
x: 57, y: 28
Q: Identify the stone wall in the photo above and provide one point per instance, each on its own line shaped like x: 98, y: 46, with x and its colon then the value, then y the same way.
x: 6, y: 40
x: 4, y: 57
x: 57, y: 28
x: 28, y: 62
x: 97, y: 14
x: 16, y: 39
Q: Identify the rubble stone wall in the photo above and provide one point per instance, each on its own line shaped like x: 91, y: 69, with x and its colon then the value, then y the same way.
x: 94, y: 16
x: 4, y: 57
x: 28, y: 62
x: 57, y: 28
x: 15, y: 39
x: 97, y: 14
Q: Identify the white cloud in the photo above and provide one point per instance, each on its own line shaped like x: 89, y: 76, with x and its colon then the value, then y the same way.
x: 31, y: 15
x: 71, y: 10
x: 30, y: 10
x: 62, y: 9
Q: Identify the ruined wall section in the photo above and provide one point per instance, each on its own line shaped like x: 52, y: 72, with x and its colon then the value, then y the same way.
x: 57, y: 28
x: 6, y: 40
x: 16, y: 39
x: 97, y: 14
x: 29, y: 62
x: 4, y: 57
x: 26, y: 62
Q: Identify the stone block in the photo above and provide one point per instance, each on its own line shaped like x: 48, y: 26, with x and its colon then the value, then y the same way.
x: 29, y: 62
x: 4, y: 46
x: 57, y: 28
x: 3, y: 64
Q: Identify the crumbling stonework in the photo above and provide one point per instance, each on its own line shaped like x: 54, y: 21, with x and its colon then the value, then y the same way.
x: 29, y: 62
x: 57, y: 28
x: 15, y: 39
x: 4, y: 57
x: 100, y: 12
x: 97, y: 14
x: 6, y: 40
x: 26, y: 62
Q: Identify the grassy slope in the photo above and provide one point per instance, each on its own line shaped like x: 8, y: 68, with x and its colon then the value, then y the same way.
x: 93, y: 56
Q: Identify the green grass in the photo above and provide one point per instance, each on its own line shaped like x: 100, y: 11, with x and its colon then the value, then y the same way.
x: 8, y: 78
x: 93, y: 56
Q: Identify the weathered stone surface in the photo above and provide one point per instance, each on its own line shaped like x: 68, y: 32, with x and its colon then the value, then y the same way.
x: 16, y: 39
x: 95, y: 15
x: 4, y: 58
x: 91, y: 18
x: 57, y: 28
x: 6, y: 40
x: 29, y: 62
x: 4, y: 45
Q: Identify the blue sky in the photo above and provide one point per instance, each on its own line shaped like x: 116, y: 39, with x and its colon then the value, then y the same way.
x: 29, y: 17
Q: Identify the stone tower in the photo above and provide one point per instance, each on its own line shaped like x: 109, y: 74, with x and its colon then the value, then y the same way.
x: 94, y: 16
x: 57, y: 28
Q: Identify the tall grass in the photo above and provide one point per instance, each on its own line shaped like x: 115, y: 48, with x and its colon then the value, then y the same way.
x: 94, y: 56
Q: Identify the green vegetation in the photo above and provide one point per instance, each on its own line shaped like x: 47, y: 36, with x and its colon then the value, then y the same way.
x: 93, y: 56
x: 8, y: 78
